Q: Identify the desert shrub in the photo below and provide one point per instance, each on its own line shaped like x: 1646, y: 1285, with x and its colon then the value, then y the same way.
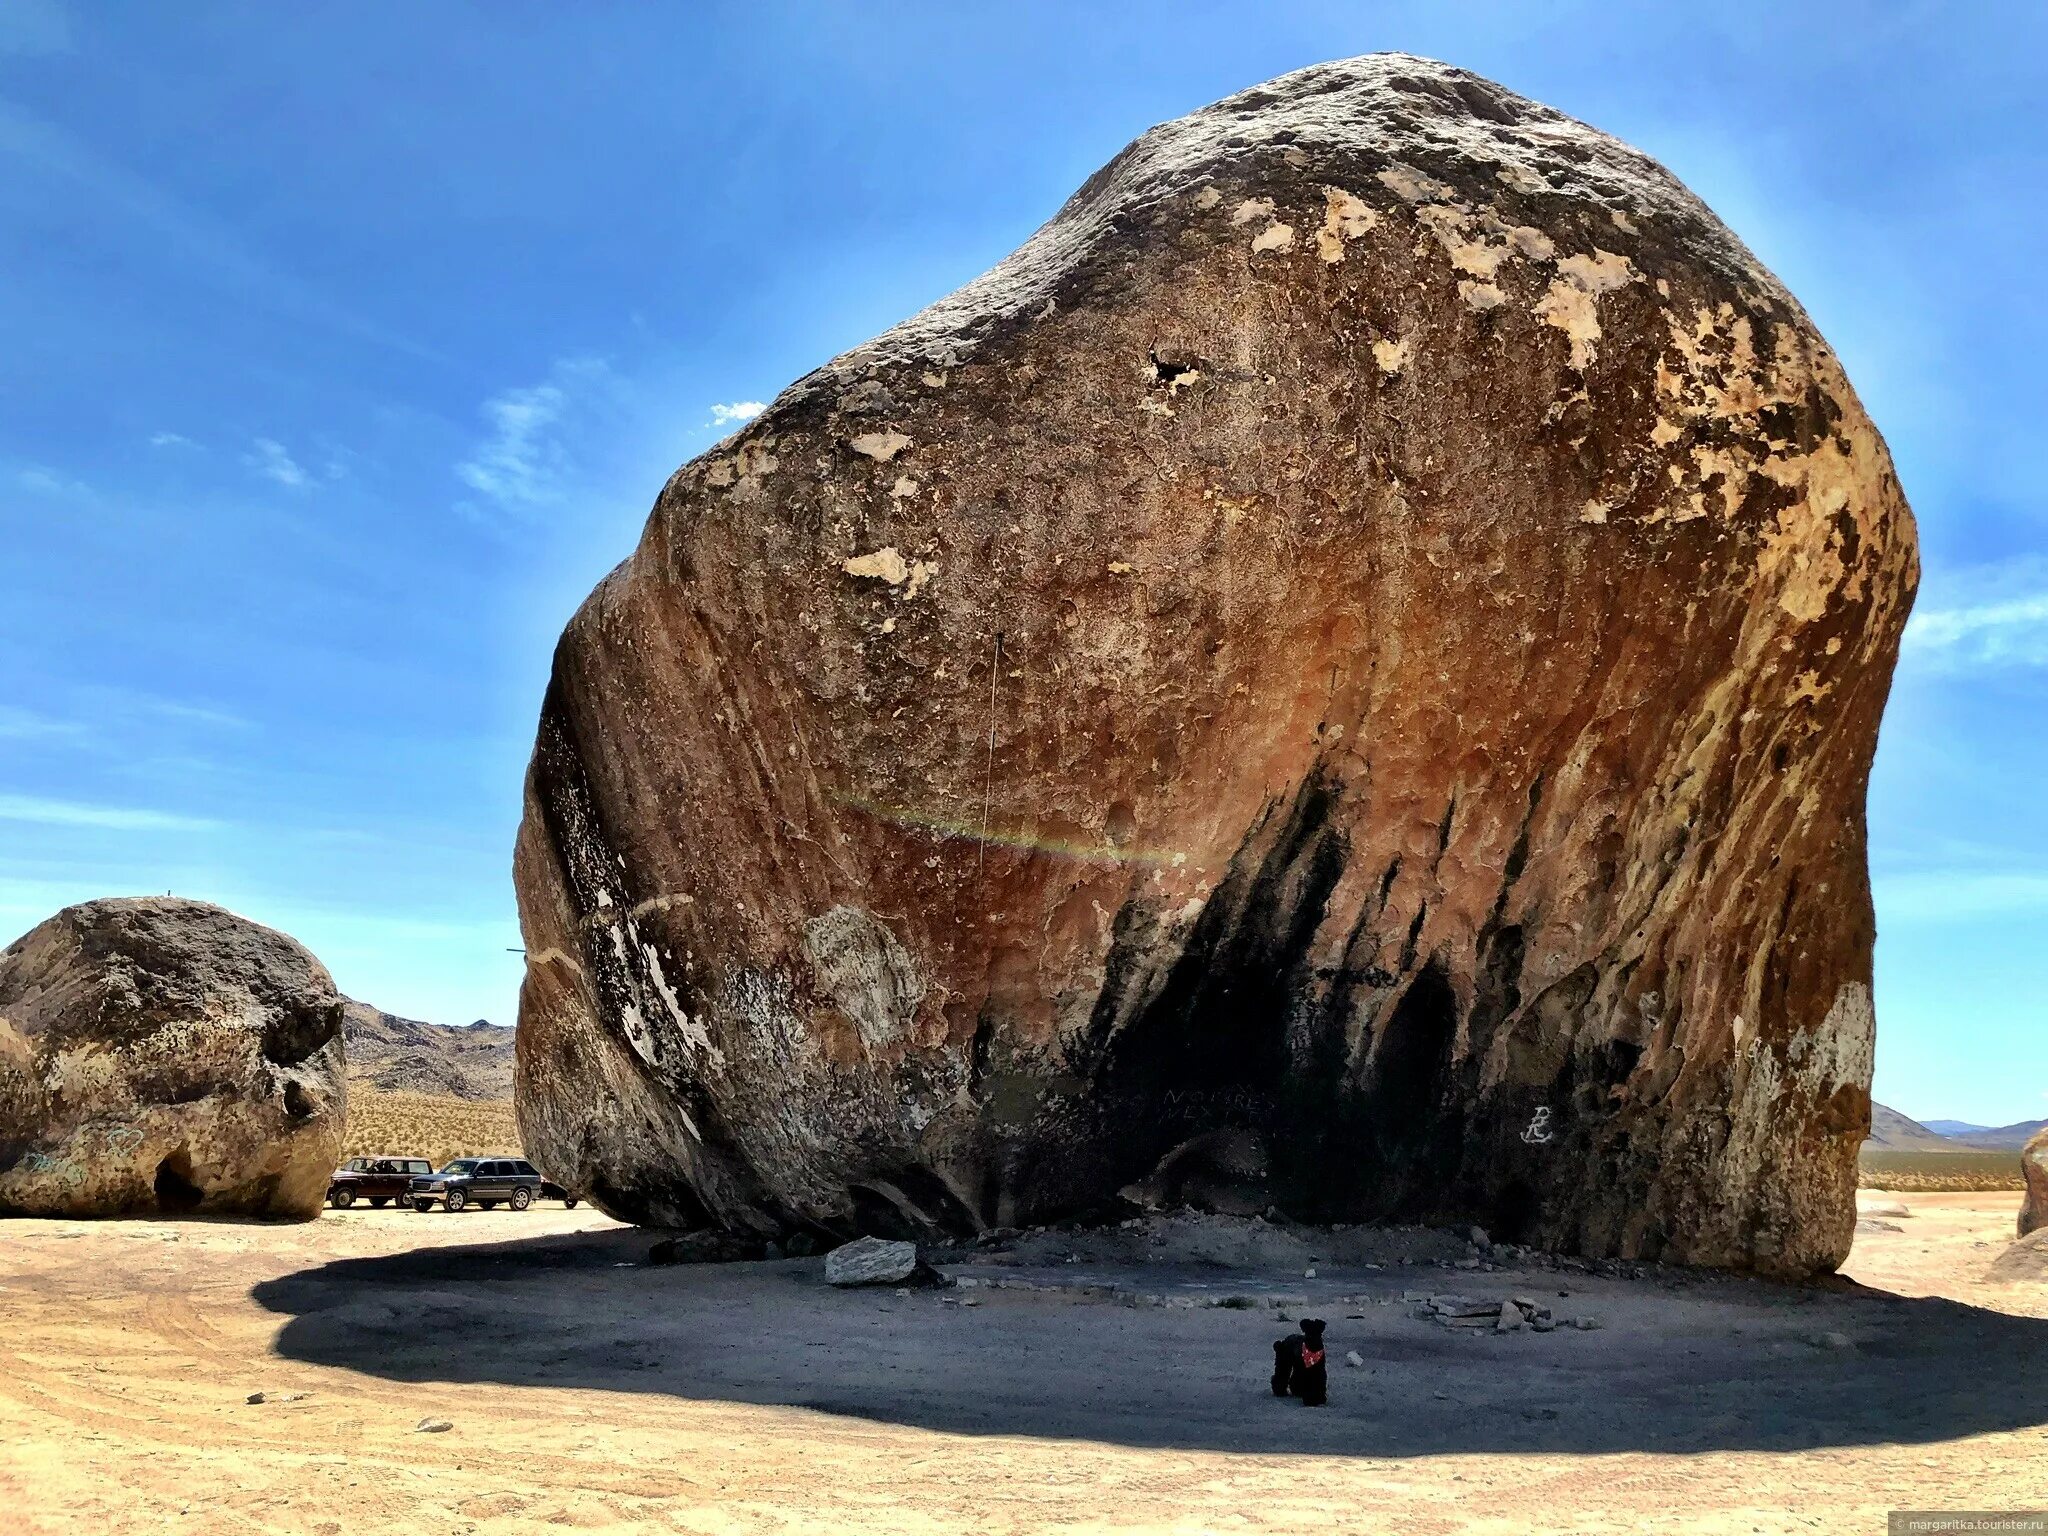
x: 1885, y: 1168
x: 427, y: 1125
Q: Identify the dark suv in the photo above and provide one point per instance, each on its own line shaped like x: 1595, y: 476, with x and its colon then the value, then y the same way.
x: 480, y: 1181
x: 379, y: 1180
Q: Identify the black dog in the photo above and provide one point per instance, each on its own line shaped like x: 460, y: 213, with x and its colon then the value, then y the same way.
x: 1298, y: 1367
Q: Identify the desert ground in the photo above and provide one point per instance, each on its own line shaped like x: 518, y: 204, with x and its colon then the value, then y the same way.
x: 1081, y: 1383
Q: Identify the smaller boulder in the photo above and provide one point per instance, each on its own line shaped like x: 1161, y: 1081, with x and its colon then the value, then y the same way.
x: 872, y: 1261
x: 2026, y: 1261
x: 2034, y: 1167
x: 164, y: 1057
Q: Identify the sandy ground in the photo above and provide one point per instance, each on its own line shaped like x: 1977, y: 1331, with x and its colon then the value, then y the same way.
x: 588, y: 1390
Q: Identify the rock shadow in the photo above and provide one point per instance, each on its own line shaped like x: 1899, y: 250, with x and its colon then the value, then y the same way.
x: 1681, y: 1363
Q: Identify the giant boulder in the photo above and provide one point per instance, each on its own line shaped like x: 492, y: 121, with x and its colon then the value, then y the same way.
x: 1361, y: 643
x: 2034, y: 1170
x: 160, y: 1056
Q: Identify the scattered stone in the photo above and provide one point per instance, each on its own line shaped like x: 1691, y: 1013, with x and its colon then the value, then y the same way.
x: 871, y: 1261
x: 1586, y: 1323
x: 1511, y: 1318
x: 1353, y: 1357
x: 279, y: 1397
x: 165, y: 1057
x: 433, y: 1427
x: 1831, y: 1340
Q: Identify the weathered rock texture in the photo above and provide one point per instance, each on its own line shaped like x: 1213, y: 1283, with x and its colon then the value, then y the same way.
x: 871, y: 1261
x: 2034, y: 1167
x: 166, y: 1057
x: 1356, y: 650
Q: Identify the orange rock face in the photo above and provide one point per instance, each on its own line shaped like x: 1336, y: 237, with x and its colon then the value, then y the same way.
x: 1342, y: 674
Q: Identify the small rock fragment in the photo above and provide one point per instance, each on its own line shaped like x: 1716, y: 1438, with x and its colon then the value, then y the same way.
x: 432, y: 1427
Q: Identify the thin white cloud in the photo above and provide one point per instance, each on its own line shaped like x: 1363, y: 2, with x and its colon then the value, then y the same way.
x: 27, y: 725
x: 170, y: 440
x: 198, y: 714
x: 2012, y: 632
x: 737, y: 411
x: 41, y: 480
x: 268, y: 458
x: 116, y: 818
x: 526, y: 460
x: 1957, y: 895
x: 517, y: 464
x: 1981, y: 618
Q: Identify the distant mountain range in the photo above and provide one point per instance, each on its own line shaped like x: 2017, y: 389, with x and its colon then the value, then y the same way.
x: 1896, y: 1132
x: 394, y: 1055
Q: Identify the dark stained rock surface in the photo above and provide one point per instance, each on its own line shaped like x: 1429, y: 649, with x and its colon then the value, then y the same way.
x: 1345, y: 669
x: 2034, y: 1167
x: 161, y: 1056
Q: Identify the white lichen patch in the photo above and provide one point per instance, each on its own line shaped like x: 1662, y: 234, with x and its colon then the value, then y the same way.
x: 1594, y: 511
x: 1720, y: 378
x: 921, y: 572
x: 1469, y: 248
x: 1481, y: 296
x: 1251, y: 209
x: 1345, y: 218
x: 903, y: 489
x: 1207, y: 197
x: 884, y: 564
x: 1571, y: 302
x: 1275, y: 237
x: 1392, y: 356
x: 755, y: 459
x: 1807, y: 688
x: 879, y: 446
x: 1411, y: 186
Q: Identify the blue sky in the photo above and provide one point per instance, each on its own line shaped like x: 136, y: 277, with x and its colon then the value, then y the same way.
x: 342, y: 348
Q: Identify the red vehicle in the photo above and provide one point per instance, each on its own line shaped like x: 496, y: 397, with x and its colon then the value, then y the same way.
x: 379, y: 1180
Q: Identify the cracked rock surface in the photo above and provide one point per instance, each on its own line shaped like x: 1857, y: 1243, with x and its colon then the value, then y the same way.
x: 166, y: 1057
x: 1342, y: 675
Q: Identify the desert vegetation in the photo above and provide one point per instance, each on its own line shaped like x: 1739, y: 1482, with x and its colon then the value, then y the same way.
x: 1902, y: 1168
x: 428, y: 1125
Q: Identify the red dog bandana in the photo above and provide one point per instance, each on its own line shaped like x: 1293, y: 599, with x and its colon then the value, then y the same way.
x: 1311, y: 1357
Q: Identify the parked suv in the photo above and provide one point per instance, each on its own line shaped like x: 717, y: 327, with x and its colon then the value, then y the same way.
x: 480, y: 1181
x: 378, y: 1180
